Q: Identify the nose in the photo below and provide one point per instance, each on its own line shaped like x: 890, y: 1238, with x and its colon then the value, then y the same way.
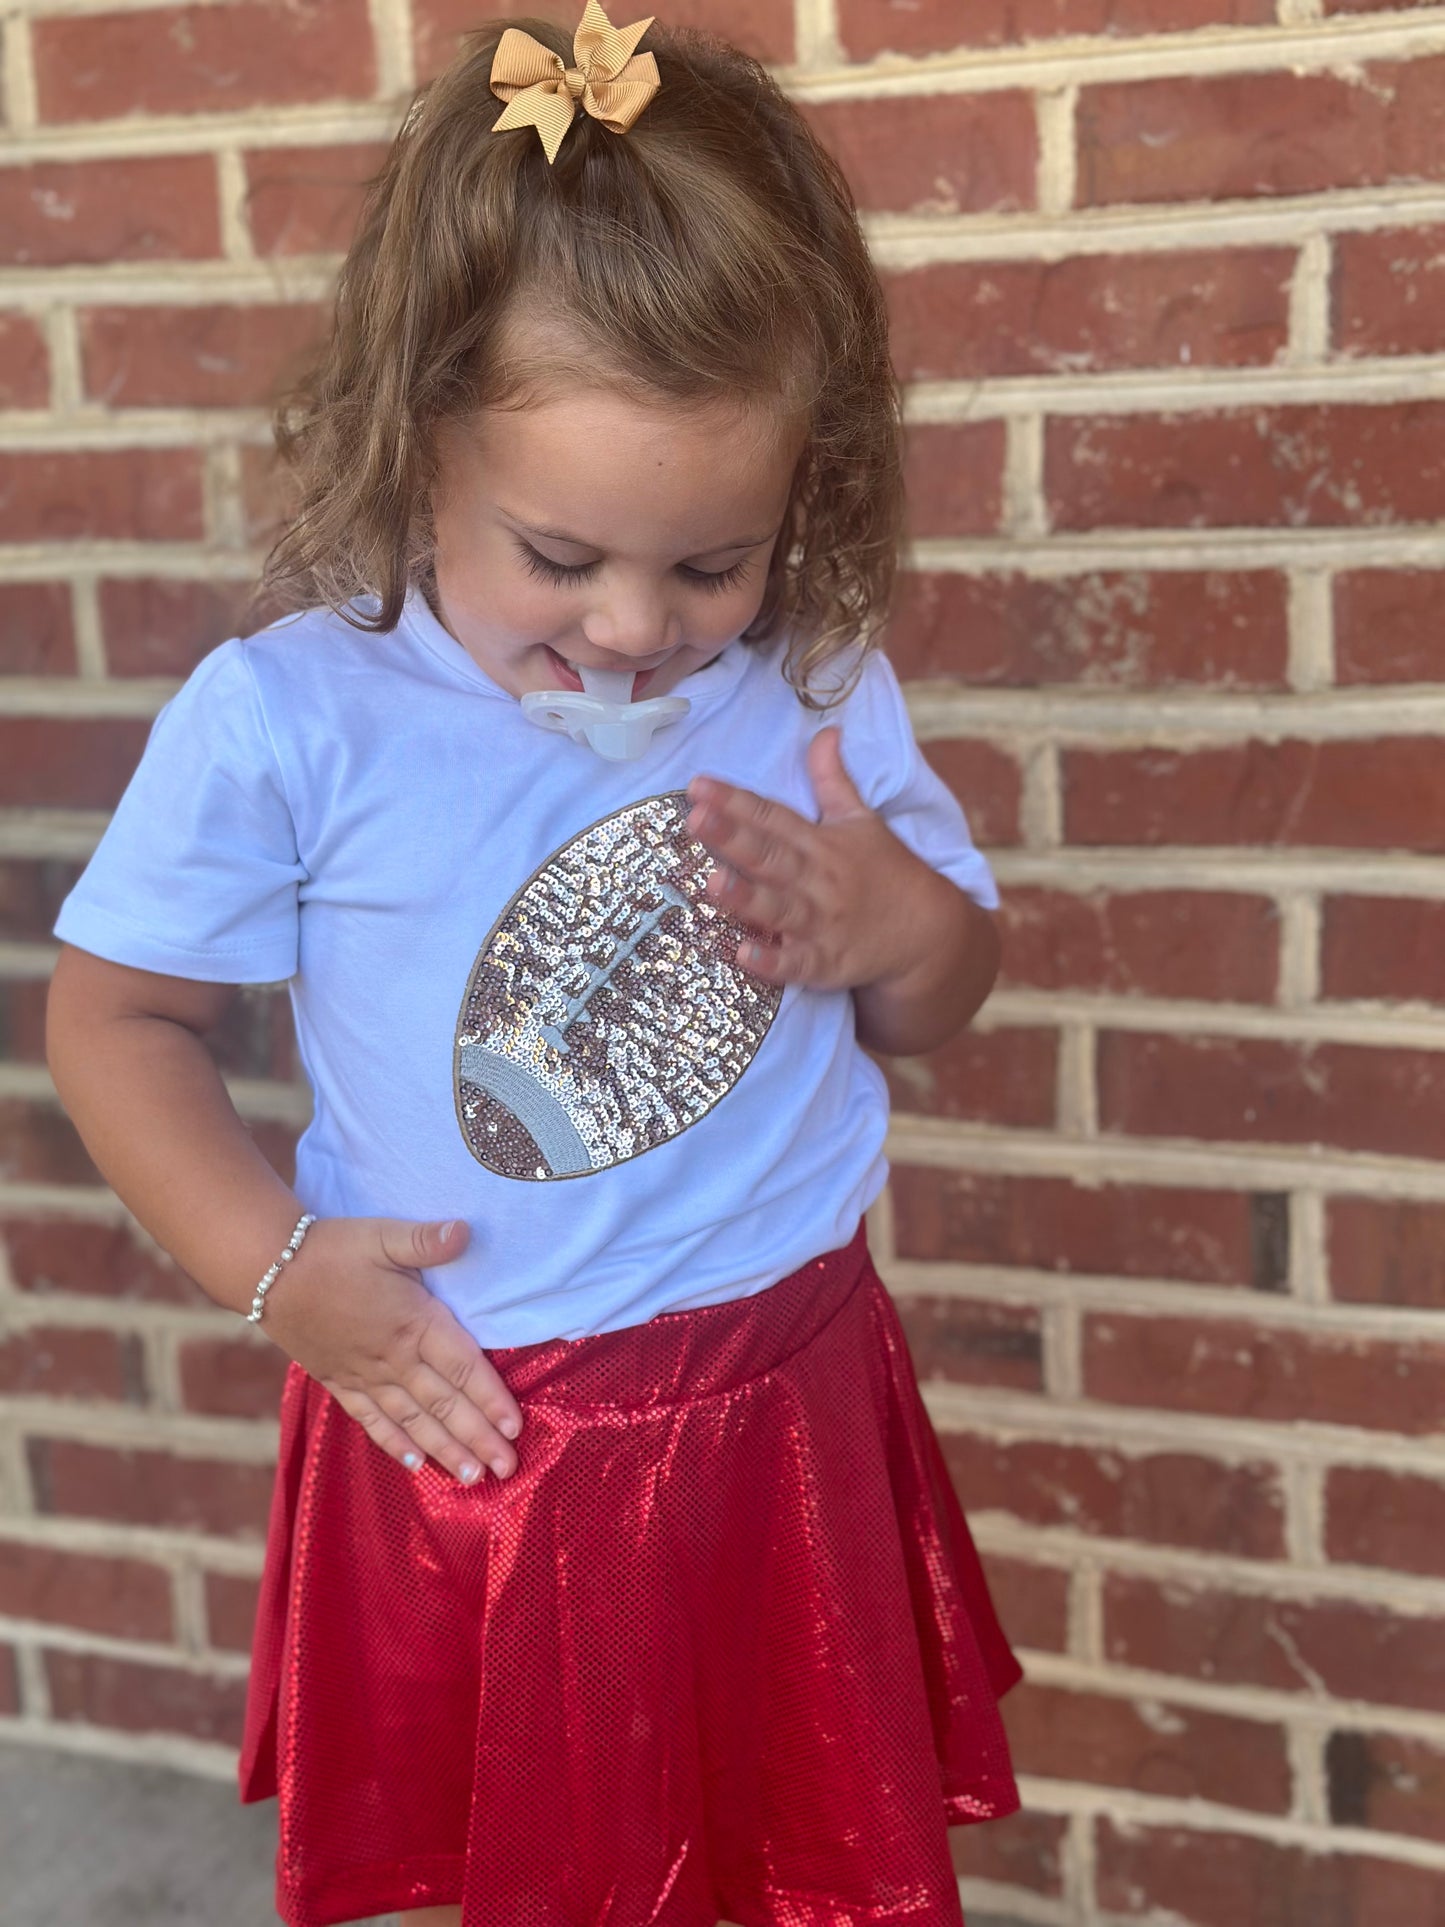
x: 637, y: 629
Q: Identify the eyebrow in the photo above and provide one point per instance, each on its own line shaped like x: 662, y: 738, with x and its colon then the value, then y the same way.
x: 581, y: 541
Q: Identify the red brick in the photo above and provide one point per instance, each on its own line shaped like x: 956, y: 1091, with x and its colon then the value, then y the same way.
x: 9, y: 1681
x: 37, y: 639
x: 231, y: 1377
x: 1388, y: 793
x: 194, y: 357
x: 937, y: 26
x: 1165, y: 1498
x: 954, y: 476
x: 1003, y: 1077
x: 1387, y: 1252
x: 154, y: 626
x: 231, y: 1610
x: 1388, y: 292
x: 48, y: 1255
x: 968, y: 320
x: 935, y: 153
x: 1387, y: 626
x: 1379, y: 1518
x: 987, y: 782
x: 1320, y: 1647
x: 135, y: 494
x: 39, y: 1145
x: 970, y: 1342
x: 1173, y: 1752
x: 1025, y: 1850
x: 1118, y: 631
x: 1387, y: 1781
x: 1237, y: 136
x: 1255, y: 1090
x: 126, y: 1598
x: 1204, y: 1878
x: 762, y: 28
x: 155, y: 207
x: 1227, y: 1366
x: 1162, y: 943
x: 1383, y: 947
x: 63, y: 1361
x: 1032, y: 1602
x: 1327, y: 466
x: 80, y: 763
x: 22, y: 1019
x: 1049, y: 1224
x: 24, y: 363
x: 31, y: 893
x: 145, y: 1488
x: 197, y: 60
x: 137, y: 1698
x: 307, y: 200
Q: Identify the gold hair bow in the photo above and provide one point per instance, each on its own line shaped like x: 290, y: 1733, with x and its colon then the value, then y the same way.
x: 612, y: 83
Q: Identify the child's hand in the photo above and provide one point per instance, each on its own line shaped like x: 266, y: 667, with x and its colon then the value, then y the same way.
x: 351, y: 1309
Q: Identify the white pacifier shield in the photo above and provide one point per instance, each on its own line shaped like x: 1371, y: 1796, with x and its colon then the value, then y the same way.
x: 602, y: 714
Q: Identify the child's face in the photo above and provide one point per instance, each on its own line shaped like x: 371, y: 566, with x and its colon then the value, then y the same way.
x: 591, y: 528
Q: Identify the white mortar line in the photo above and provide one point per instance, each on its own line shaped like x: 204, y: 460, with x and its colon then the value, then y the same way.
x: 1041, y: 805
x: 189, y: 1607
x: 132, y: 1749
x: 1086, y: 1613
x: 1306, y: 1483
x: 1311, y: 630
x: 1067, y: 554
x: 17, y: 73
x: 237, y: 244
x: 1309, y: 304
x: 62, y: 337
x: 1358, y: 873
x: 89, y: 640
x: 1299, y: 13
x: 1306, y: 1749
x: 254, y: 1097
x: 33, y: 1682
x: 1025, y: 512
x: 1055, y: 111
x: 1382, y: 1027
x: 1308, y: 1265
x: 71, y: 1639
x: 225, y: 496
x: 1061, y: 1328
x: 1153, y: 719
x: 157, y: 1322
x: 1080, y: 1870
x: 125, y: 1428
x: 1299, y: 950
x: 1078, y: 1098
x: 815, y: 28
x: 1173, y: 391
x: 391, y: 35
x: 238, y: 1558
x: 997, y: 1905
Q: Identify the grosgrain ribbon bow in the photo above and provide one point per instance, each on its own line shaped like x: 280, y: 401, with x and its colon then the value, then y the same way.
x: 612, y: 83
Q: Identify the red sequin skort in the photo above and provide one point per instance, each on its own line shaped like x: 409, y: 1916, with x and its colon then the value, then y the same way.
x: 720, y: 1648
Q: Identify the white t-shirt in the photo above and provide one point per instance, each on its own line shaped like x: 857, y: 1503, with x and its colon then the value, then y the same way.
x: 513, y: 1003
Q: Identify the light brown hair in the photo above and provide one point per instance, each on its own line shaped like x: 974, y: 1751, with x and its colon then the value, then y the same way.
x: 711, y: 253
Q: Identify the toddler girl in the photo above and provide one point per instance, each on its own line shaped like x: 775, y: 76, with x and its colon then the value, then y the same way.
x: 613, y: 1576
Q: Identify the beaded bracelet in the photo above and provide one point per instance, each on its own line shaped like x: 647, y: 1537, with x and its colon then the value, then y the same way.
x: 303, y: 1225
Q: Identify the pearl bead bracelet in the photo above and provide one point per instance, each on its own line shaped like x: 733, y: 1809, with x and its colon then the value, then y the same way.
x: 303, y: 1225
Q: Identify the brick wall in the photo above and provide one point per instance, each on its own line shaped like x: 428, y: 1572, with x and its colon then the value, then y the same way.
x: 1168, y: 1227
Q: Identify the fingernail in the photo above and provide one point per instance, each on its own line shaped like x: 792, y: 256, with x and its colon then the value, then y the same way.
x: 445, y: 1231
x: 509, y: 1428
x: 411, y: 1460
x: 468, y: 1472
x: 499, y: 1466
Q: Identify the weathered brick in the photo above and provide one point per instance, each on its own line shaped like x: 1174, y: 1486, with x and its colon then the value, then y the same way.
x: 1050, y: 1224
x: 151, y: 207
x: 969, y: 320
x: 24, y: 363
x: 1387, y: 1252
x: 1205, y: 1878
x: 1173, y: 1752
x: 970, y: 1342
x: 760, y: 27
x: 936, y: 26
x: 1379, y: 1518
x: 987, y: 782
x: 1388, y: 793
x: 22, y: 1019
x: 1386, y: 1781
x: 1383, y: 947
x: 954, y: 475
x: 1237, y: 136
x: 1164, y: 1498
x: 1161, y: 943
x: 194, y: 356
x: 1388, y: 292
x: 149, y: 1488
x: 307, y: 200
x: 53, y: 1254
x: 68, y: 763
x: 1227, y: 1366
x: 37, y: 638
x: 1331, y: 465
x: 1322, y: 1647
x: 1032, y: 1602
x: 39, y: 1145
x: 1257, y: 1090
x: 154, y: 626
x: 1125, y: 630
x: 934, y: 153
x: 231, y: 1378
x: 1025, y: 1850
x: 137, y: 1698
x: 197, y: 60
x: 32, y: 890
x: 64, y: 1361
x: 231, y: 1610
x: 130, y: 494
x: 1387, y: 626
x: 1003, y: 1077
x: 9, y: 1680
x: 125, y: 1598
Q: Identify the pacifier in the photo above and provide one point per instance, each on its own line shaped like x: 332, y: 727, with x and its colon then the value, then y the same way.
x: 603, y: 715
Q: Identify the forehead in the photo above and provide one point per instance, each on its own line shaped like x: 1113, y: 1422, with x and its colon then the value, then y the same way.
x: 625, y: 473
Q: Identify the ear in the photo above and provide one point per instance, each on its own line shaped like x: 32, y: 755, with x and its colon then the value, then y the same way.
x: 834, y: 788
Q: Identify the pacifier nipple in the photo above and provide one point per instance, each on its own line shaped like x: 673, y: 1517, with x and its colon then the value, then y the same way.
x: 603, y: 715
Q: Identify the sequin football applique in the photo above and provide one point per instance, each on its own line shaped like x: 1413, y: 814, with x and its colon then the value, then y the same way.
x: 605, y: 1013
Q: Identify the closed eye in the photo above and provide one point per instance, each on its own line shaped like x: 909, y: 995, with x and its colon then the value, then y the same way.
x: 560, y: 574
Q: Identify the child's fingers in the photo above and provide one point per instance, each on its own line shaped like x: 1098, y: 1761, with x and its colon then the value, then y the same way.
x: 450, y: 1425
x: 758, y: 904
x: 764, y: 840
x: 790, y: 961
x: 381, y: 1430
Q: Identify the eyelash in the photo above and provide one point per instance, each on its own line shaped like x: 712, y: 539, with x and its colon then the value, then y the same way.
x: 559, y: 574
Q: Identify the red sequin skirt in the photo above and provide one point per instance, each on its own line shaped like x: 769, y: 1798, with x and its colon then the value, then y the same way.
x: 720, y: 1648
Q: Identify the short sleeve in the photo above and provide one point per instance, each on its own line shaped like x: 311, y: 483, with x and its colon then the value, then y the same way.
x: 197, y: 874
x: 884, y: 760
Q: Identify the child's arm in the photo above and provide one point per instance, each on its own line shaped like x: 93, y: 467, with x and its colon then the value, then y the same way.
x: 848, y: 906
x: 126, y: 1052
